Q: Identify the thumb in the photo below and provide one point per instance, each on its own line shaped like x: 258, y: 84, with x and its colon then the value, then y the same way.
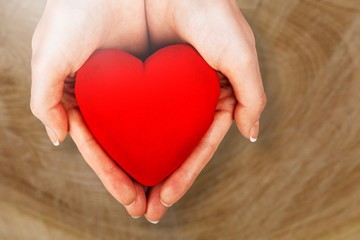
x: 240, y: 65
x: 245, y: 78
x: 46, y: 94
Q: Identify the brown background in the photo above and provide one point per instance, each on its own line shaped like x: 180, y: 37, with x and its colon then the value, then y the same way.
x: 300, y: 181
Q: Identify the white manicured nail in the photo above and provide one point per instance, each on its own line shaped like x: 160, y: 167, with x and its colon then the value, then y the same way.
x: 254, y: 132
x: 52, y: 135
x: 252, y: 139
x: 153, y: 222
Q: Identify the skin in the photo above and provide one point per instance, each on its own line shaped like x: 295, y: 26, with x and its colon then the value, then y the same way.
x: 70, y: 31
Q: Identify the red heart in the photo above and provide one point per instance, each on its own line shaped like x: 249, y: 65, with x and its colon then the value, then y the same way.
x: 148, y: 116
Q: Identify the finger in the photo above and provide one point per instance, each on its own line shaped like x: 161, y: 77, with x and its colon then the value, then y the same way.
x: 155, y: 210
x: 138, y: 209
x: 182, y: 179
x: 115, y: 180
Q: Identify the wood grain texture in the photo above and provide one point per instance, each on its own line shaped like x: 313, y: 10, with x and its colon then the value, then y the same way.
x: 300, y: 181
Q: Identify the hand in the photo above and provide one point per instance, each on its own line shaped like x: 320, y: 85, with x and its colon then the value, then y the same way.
x: 222, y: 36
x: 67, y: 34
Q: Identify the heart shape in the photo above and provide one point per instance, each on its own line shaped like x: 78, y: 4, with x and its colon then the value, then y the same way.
x: 148, y: 116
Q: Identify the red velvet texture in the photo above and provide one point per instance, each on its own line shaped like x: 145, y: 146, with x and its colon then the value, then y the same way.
x: 148, y: 116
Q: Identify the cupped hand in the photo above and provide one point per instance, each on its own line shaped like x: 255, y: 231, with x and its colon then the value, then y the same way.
x: 67, y: 34
x: 220, y: 33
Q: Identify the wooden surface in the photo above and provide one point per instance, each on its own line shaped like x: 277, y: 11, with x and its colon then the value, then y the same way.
x: 300, y: 181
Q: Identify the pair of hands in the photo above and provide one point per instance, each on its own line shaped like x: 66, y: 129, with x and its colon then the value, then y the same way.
x: 70, y: 31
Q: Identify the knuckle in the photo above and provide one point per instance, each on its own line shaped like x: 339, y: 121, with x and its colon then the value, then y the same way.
x: 86, y: 146
x: 259, y: 104
x: 251, y: 37
x: 189, y: 175
x: 262, y: 102
x: 249, y: 54
x: 35, y: 108
x: 107, y: 174
x: 249, y: 34
x: 183, y: 181
x: 210, y: 146
x: 109, y: 170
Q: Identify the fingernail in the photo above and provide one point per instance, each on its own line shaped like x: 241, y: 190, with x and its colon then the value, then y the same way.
x: 136, y: 217
x: 153, y: 222
x: 165, y: 205
x: 130, y: 204
x: 254, y: 132
x: 52, y: 135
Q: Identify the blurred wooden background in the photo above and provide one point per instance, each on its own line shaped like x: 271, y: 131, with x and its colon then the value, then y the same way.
x: 300, y: 181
